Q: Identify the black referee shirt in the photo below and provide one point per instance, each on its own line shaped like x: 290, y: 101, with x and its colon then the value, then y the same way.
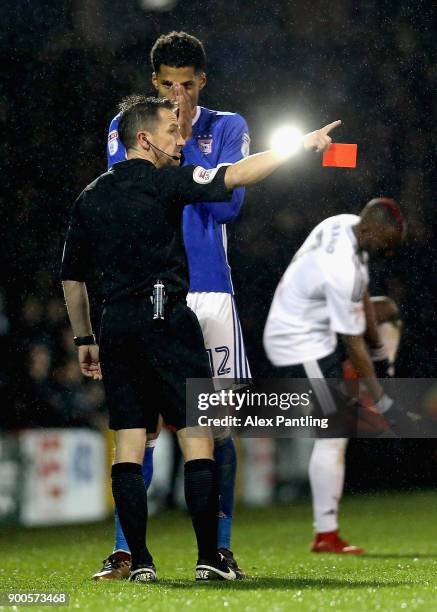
x: 126, y: 227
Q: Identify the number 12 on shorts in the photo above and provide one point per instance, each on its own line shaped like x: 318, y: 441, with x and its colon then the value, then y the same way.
x: 221, y: 354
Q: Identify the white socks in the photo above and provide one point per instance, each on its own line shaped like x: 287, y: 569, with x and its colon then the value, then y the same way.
x: 326, y: 471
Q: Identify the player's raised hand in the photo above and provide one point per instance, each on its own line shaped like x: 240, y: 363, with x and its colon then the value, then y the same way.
x: 319, y: 140
x: 183, y: 110
x: 88, y: 356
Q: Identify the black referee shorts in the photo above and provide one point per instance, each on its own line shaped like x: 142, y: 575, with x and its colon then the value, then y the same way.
x: 145, y: 363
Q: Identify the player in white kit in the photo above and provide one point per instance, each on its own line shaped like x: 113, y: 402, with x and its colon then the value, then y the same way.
x: 322, y: 295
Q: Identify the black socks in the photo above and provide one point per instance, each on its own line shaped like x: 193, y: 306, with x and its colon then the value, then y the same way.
x: 130, y: 497
x: 201, y: 495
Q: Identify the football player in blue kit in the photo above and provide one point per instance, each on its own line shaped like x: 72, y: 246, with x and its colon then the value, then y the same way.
x: 213, y: 138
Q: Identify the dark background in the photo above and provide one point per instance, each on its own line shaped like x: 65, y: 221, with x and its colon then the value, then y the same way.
x: 66, y: 65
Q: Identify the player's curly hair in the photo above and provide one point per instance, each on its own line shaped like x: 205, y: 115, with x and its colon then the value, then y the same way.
x: 178, y: 49
x: 139, y: 112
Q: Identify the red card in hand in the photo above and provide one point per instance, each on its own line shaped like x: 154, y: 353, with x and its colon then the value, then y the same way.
x: 340, y: 155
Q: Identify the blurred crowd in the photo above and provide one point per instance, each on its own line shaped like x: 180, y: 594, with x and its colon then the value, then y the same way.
x: 41, y: 385
x: 368, y: 63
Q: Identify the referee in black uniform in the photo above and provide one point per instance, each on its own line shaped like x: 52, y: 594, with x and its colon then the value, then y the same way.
x: 125, y: 240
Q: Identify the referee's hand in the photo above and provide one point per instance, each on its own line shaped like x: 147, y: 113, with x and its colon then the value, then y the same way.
x: 319, y: 140
x: 89, y: 361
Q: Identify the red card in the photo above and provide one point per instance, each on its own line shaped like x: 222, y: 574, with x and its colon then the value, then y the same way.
x: 340, y: 155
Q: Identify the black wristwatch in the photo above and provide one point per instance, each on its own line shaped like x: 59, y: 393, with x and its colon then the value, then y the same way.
x: 84, y: 340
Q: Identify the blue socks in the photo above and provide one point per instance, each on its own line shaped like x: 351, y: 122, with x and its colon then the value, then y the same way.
x: 147, y: 469
x: 120, y: 540
x: 148, y: 463
x: 226, y: 465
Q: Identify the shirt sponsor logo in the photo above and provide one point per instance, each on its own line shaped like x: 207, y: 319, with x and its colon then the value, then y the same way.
x: 113, y: 142
x: 245, y: 146
x: 203, y: 175
x: 205, y: 145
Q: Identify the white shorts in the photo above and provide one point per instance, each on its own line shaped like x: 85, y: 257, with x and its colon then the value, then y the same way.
x: 218, y: 318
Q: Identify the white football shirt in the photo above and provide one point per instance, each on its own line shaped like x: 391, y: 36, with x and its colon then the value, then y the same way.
x: 320, y: 295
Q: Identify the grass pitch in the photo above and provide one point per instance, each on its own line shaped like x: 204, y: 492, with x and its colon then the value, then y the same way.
x: 398, y: 573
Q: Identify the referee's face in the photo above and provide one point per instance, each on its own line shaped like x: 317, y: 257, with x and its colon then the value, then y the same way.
x: 167, y: 137
x: 192, y: 81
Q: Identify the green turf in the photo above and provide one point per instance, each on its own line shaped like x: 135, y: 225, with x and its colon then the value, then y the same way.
x: 398, y: 573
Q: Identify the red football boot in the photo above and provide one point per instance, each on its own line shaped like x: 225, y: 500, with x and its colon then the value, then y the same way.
x: 330, y: 542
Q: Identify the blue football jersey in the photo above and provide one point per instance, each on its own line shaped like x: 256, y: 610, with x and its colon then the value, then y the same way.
x: 217, y: 138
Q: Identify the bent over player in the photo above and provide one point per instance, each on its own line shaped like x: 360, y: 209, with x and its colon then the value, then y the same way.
x: 212, y: 138
x: 322, y: 295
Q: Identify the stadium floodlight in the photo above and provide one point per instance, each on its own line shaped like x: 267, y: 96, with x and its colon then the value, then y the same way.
x: 158, y: 5
x: 286, y: 140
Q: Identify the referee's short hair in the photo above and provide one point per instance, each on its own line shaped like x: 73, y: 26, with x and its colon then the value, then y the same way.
x: 139, y: 113
x: 178, y: 49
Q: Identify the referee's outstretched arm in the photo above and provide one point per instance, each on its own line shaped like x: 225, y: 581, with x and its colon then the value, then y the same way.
x: 148, y: 128
x: 256, y: 167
